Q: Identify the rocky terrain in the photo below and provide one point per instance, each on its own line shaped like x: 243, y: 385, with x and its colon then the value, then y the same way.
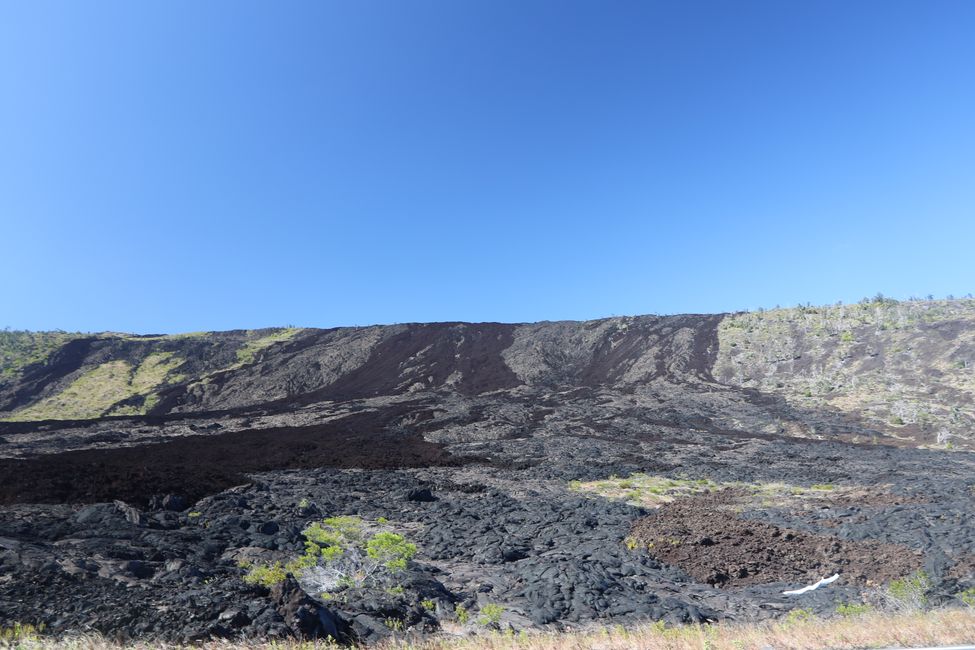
x: 679, y: 468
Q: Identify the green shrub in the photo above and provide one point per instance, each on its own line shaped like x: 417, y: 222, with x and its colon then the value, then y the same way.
x: 907, y: 594
x: 390, y: 550
x: 19, y: 633
x: 266, y: 575
x: 490, y: 614
x: 968, y: 596
x: 853, y: 609
x: 462, y: 614
x: 340, y: 552
x: 797, y: 616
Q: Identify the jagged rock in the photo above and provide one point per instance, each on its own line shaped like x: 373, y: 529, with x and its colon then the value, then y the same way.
x: 306, y: 617
x: 423, y: 495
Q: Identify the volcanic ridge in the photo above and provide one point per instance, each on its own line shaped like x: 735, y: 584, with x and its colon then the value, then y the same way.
x: 678, y: 468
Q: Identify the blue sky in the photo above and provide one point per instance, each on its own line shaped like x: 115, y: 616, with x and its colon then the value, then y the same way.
x: 178, y: 166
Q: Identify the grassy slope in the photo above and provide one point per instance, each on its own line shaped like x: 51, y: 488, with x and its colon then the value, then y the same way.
x: 906, y: 367
x: 102, y: 389
x: 19, y: 349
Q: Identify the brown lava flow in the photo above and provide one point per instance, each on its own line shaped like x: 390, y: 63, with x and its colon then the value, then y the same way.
x: 703, y: 536
x: 195, y: 466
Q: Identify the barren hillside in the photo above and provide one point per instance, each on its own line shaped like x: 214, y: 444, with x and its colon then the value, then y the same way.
x: 564, y: 472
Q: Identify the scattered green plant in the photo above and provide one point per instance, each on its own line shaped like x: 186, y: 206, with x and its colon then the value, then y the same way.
x: 462, y: 614
x: 908, y: 594
x: 968, y: 596
x: 853, y: 609
x: 428, y: 605
x: 266, y: 575
x: 340, y: 553
x: 490, y: 614
x: 797, y: 615
x: 19, y: 633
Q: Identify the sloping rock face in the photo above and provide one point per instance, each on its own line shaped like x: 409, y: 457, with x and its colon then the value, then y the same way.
x: 196, y: 452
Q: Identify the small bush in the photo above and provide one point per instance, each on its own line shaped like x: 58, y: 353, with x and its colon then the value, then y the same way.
x: 462, y: 614
x: 340, y: 553
x: 19, y: 633
x: 390, y: 550
x: 797, y: 615
x: 907, y: 594
x: 490, y: 614
x: 849, y: 610
x: 968, y: 596
x: 266, y: 575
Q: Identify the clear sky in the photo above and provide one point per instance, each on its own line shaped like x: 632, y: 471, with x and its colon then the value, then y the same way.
x: 183, y: 165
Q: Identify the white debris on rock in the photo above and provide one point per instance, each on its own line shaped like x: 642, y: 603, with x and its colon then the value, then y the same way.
x: 822, y: 583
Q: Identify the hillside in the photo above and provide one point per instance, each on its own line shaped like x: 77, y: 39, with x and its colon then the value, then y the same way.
x: 564, y: 472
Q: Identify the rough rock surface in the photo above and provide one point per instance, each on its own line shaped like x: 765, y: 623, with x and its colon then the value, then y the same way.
x: 465, y: 438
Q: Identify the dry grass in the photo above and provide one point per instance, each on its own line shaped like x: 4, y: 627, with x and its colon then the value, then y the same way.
x: 941, y: 627
x: 654, y: 491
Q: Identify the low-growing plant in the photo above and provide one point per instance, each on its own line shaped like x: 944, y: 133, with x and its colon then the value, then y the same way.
x: 390, y: 550
x: 428, y: 605
x: 968, y: 596
x: 394, y: 624
x: 853, y: 609
x: 266, y: 575
x: 20, y: 633
x: 908, y: 594
x: 462, y: 614
x: 194, y: 515
x: 797, y: 616
x: 490, y: 614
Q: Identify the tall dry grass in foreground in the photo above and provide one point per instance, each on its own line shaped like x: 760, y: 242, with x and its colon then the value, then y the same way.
x: 942, y: 627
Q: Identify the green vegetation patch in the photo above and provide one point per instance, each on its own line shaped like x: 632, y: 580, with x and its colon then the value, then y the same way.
x: 249, y: 353
x: 340, y: 553
x: 97, y: 390
x: 653, y: 491
x: 19, y: 349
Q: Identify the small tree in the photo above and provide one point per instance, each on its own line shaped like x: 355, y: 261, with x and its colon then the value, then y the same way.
x: 340, y: 553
